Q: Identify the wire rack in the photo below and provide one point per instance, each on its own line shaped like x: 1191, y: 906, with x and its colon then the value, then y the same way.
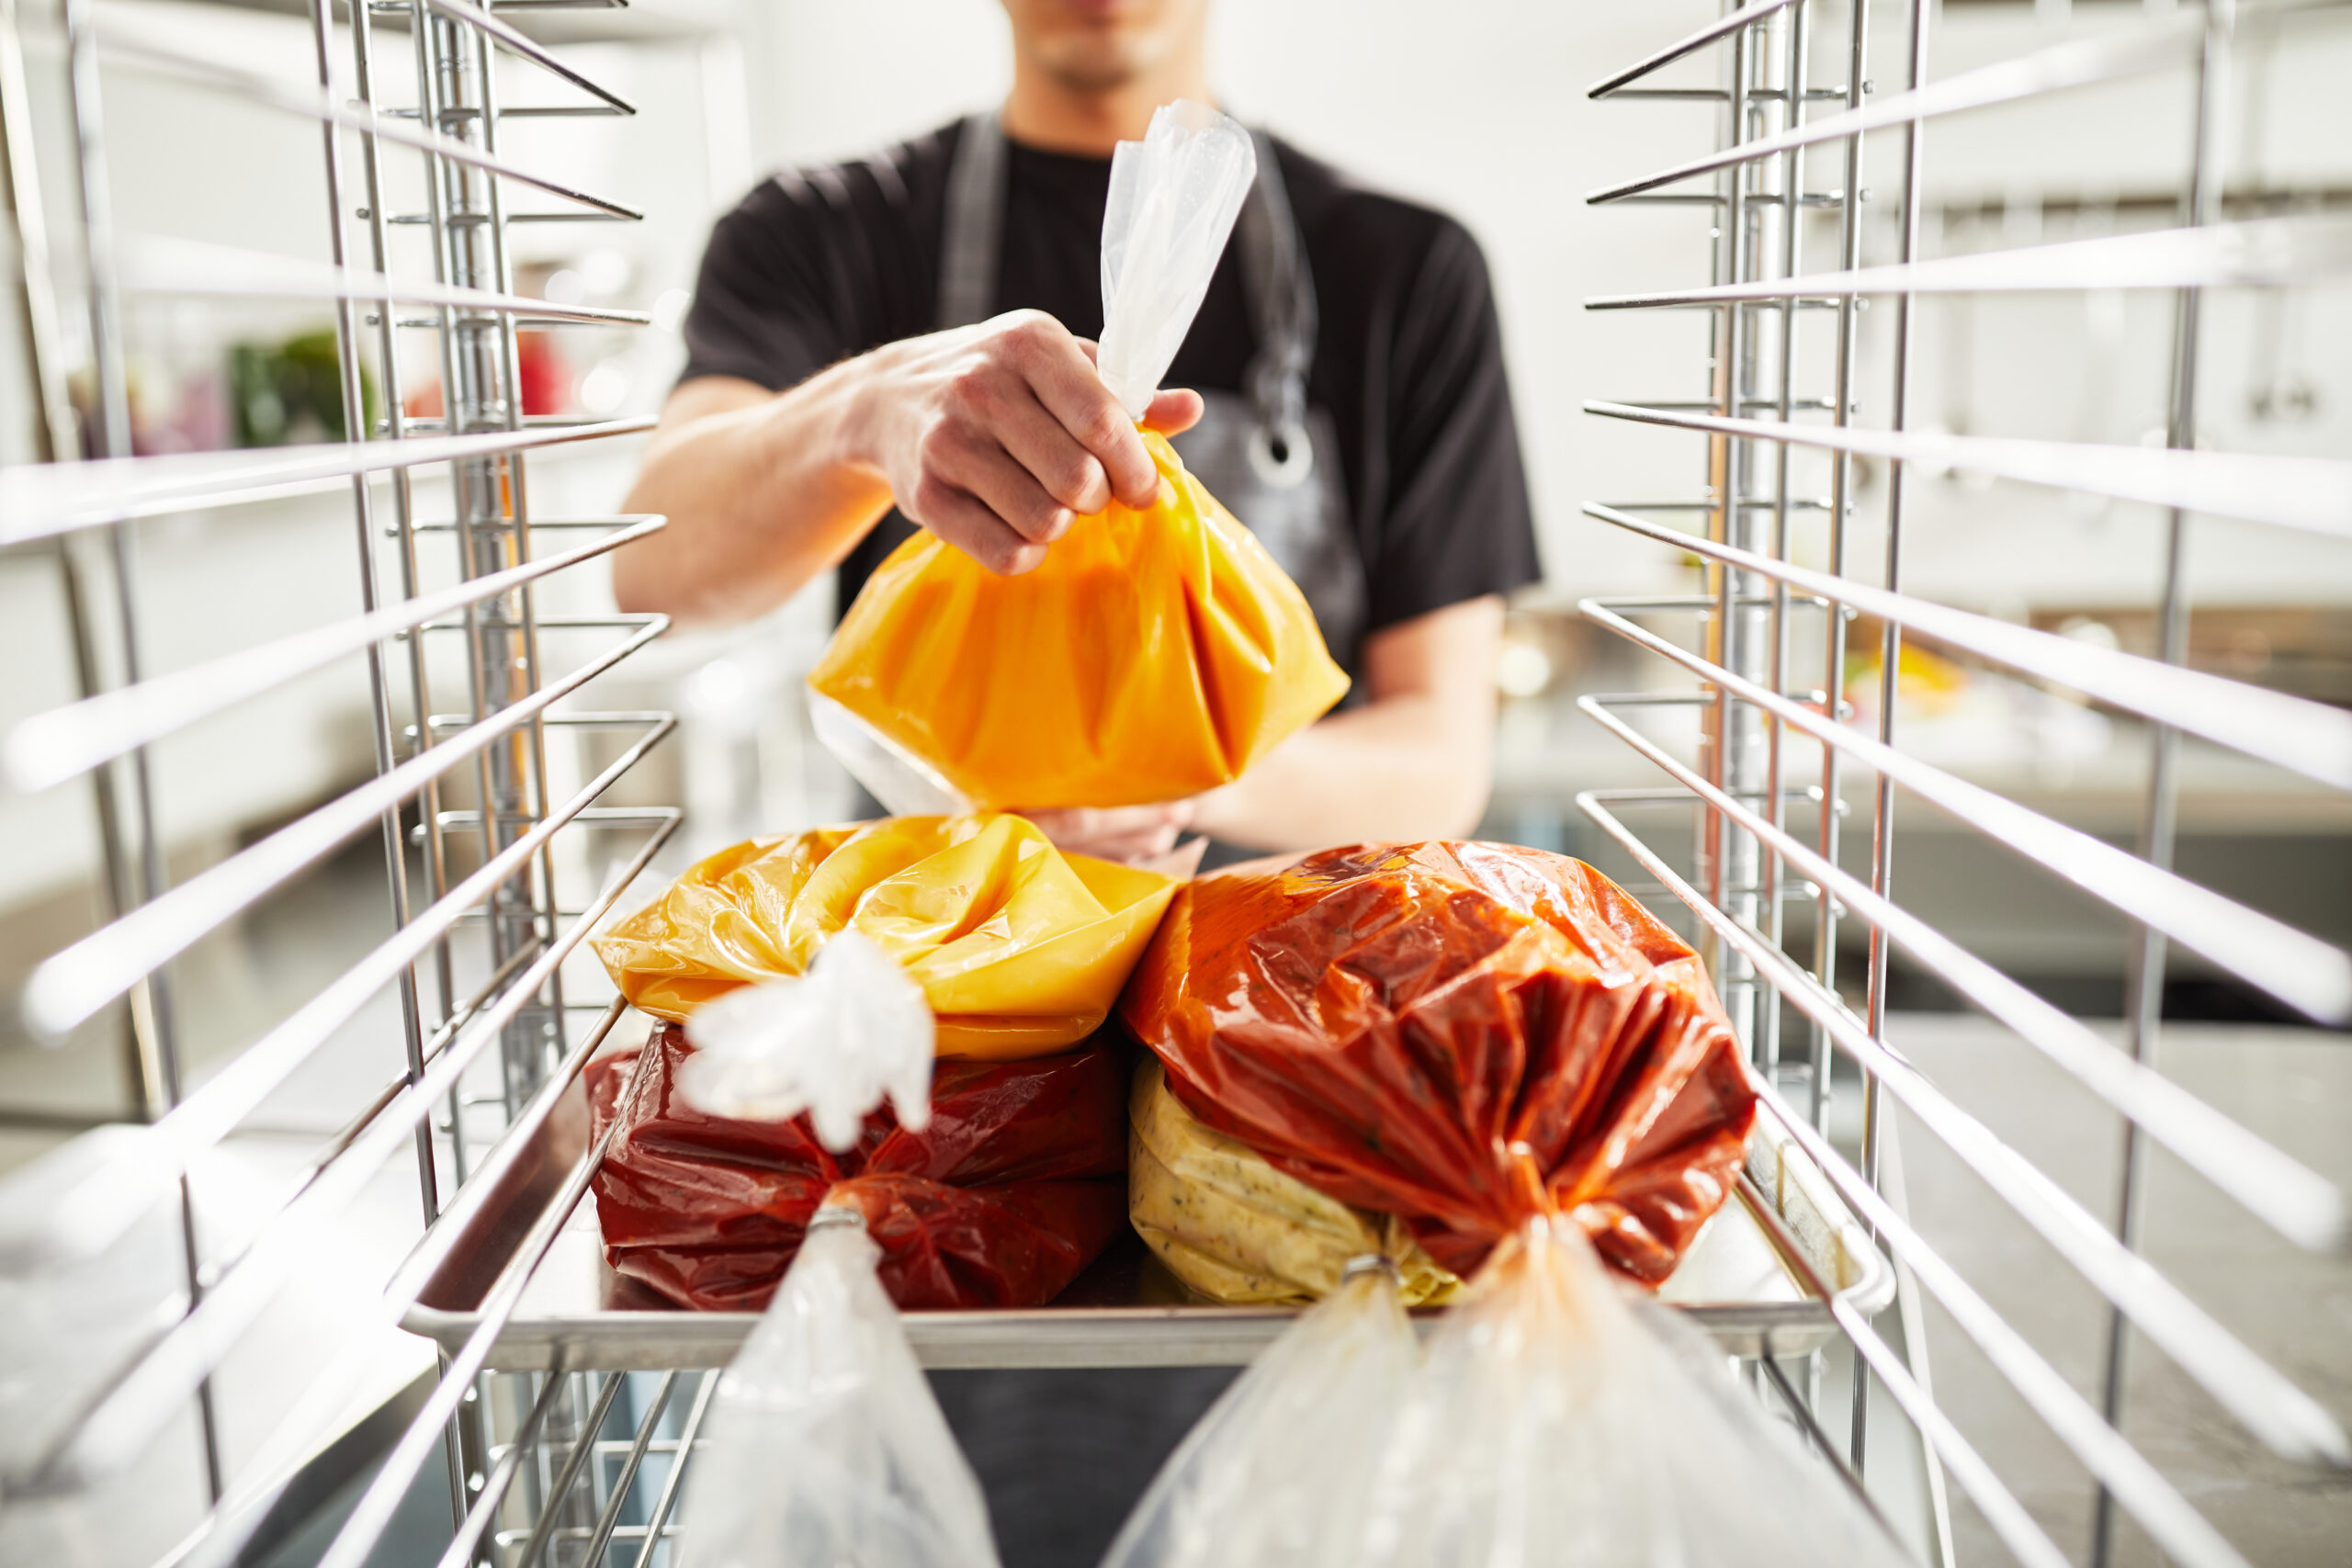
x: 565, y: 1466
x: 484, y: 902
x: 1775, y: 765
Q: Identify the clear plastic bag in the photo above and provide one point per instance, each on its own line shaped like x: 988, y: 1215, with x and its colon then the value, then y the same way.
x: 1172, y: 201
x: 1279, y: 1473
x: 1561, y: 1421
x: 826, y: 1444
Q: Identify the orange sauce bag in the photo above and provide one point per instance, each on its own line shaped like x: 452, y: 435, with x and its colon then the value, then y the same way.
x: 1465, y: 1036
x: 1156, y: 654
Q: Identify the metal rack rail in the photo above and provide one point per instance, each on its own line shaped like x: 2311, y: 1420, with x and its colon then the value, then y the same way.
x: 554, y: 1463
x: 1752, y: 863
x: 486, y: 872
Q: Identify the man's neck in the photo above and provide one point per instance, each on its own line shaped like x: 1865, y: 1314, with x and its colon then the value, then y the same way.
x: 1044, y: 112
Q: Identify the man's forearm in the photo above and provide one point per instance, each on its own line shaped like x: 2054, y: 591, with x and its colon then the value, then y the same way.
x: 994, y: 437
x: 1410, y: 767
x: 760, y: 498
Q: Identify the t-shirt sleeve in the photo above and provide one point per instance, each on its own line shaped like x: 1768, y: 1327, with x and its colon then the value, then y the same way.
x: 765, y: 306
x: 1459, y: 524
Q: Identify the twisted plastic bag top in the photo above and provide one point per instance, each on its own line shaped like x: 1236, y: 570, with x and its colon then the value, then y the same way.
x: 1466, y: 1035
x: 832, y: 1045
x: 826, y: 1445
x: 1174, y: 198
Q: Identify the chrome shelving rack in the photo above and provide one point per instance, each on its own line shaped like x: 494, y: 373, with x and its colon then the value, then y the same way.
x: 1767, y: 841
x: 491, y: 866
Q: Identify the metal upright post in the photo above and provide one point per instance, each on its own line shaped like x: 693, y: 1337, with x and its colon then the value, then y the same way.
x: 1722, y: 755
x: 151, y: 1000
x: 1891, y: 654
x: 2145, y: 982
x: 379, y: 690
x: 479, y: 393
x: 1792, y: 24
x: 518, y: 515
x: 58, y: 439
x: 388, y: 324
x: 1841, y: 506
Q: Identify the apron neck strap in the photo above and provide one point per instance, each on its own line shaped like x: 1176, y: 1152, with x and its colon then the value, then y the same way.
x: 1274, y: 277
x: 971, y: 236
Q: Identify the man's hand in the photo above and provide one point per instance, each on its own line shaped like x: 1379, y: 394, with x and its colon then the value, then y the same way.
x: 997, y: 436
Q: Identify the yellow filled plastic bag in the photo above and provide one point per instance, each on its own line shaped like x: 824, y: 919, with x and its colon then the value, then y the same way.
x: 1234, y: 1228
x: 1018, y: 948
x: 1154, y: 655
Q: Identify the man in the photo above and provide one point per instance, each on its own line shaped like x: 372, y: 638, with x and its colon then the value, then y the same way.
x: 816, y: 393
x: 847, y: 354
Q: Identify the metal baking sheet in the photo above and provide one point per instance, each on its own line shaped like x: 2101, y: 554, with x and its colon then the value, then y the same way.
x: 1125, y: 1311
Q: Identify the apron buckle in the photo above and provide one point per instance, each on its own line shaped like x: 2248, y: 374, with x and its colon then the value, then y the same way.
x: 1282, y: 459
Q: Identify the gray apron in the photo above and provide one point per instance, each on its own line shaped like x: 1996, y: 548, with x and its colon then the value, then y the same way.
x: 1270, y: 457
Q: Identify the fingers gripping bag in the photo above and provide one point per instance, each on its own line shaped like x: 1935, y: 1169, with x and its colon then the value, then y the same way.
x: 1157, y: 652
x: 1501, y: 1049
x: 1019, y: 949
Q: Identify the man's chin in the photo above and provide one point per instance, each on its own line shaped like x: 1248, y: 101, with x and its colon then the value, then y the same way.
x: 1094, y: 64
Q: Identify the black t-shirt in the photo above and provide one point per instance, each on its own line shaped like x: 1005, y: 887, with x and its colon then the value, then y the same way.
x: 821, y: 264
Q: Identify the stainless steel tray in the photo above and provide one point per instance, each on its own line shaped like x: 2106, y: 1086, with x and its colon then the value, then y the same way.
x: 1125, y: 1311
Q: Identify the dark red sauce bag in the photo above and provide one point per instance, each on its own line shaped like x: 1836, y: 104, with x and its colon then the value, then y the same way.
x: 1464, y: 1034
x: 1016, y: 1184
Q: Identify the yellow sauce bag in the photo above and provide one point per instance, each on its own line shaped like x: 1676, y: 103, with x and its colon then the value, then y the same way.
x: 1018, y: 948
x: 1237, y: 1230
x: 1154, y: 655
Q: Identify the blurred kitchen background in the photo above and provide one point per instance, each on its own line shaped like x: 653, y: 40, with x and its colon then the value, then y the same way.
x: 1477, y: 106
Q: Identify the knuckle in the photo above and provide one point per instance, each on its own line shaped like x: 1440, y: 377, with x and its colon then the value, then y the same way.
x: 939, y: 446
x: 1026, y: 336
x: 1040, y: 522
x: 973, y: 386
x: 1107, y: 429
x: 930, y: 499
x: 1081, y: 484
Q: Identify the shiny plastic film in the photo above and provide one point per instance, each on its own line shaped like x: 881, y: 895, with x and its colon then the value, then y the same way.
x: 1502, y: 1048
x: 1462, y: 1034
x: 1010, y: 1187
x: 825, y: 1444
x: 1279, y: 1473
x: 1155, y: 654
x: 1235, y: 1229
x: 1019, y: 949
x: 1560, y: 1419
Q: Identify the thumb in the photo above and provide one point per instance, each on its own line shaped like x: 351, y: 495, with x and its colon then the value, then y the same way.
x: 1173, y: 413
